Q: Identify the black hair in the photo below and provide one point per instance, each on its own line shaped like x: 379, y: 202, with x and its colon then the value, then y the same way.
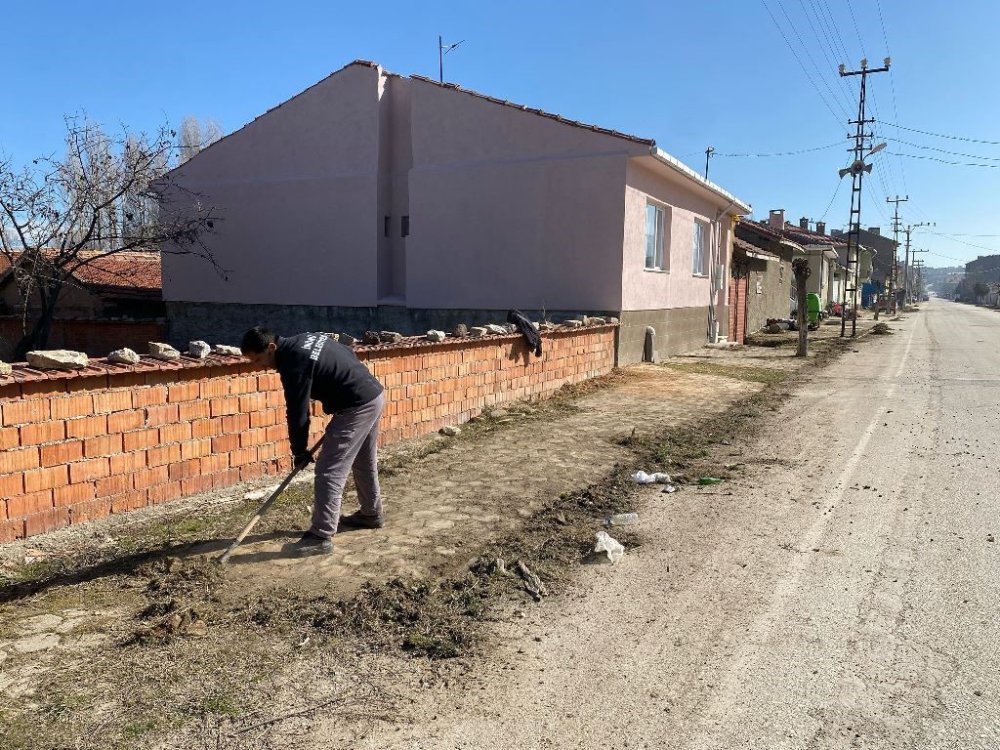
x: 256, y: 340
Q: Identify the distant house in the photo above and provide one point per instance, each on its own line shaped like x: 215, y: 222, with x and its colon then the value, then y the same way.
x: 124, y: 284
x: 764, y: 256
x: 372, y: 200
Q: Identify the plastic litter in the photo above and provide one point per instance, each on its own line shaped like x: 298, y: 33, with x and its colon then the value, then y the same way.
x: 669, y: 489
x: 709, y: 480
x: 608, y: 549
x: 622, y: 519
x: 641, y: 477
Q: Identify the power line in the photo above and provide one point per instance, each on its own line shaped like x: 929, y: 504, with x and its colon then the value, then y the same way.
x: 892, y: 88
x: 830, y: 204
x: 822, y: 77
x: 944, y: 161
x: 942, y: 135
x: 799, y: 61
x: 784, y: 153
x: 944, y: 150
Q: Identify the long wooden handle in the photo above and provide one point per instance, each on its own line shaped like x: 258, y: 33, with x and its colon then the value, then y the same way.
x: 263, y: 508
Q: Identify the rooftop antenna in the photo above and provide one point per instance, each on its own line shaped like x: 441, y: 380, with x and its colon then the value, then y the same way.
x: 444, y: 49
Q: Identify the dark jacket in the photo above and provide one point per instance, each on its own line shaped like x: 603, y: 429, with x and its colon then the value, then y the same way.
x: 312, y: 366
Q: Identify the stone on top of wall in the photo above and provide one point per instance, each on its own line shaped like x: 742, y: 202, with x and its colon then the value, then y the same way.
x: 433, y: 335
x: 226, y: 349
x: 124, y: 356
x: 573, y: 323
x: 57, y: 359
x: 494, y: 328
x: 347, y: 340
x: 159, y: 350
x: 199, y: 349
x: 371, y: 338
x: 477, y: 332
x: 390, y: 337
x: 461, y: 330
x: 5, y: 369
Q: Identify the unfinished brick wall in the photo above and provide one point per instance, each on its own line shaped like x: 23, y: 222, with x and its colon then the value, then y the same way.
x: 113, y: 438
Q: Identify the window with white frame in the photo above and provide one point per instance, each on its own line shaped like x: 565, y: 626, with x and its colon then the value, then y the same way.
x: 699, y: 249
x: 655, y: 238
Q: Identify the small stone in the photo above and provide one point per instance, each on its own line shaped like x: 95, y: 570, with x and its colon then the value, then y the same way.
x: 433, y: 335
x: 370, y: 338
x: 546, y: 325
x: 573, y: 323
x: 534, y: 324
x: 612, y: 321
x: 347, y: 339
x: 773, y: 328
x: 594, y: 321
x: 989, y: 538
x: 477, y: 332
x: 390, y: 337
x: 5, y: 368
x: 159, y: 350
x: 124, y: 357
x: 494, y: 328
x: 226, y: 349
x: 57, y: 359
x: 450, y: 431
x: 461, y: 330
x: 199, y: 349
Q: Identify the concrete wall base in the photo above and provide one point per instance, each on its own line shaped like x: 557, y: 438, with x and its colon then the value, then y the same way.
x: 678, y: 330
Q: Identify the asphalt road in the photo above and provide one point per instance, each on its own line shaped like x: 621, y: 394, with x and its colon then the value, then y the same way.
x: 844, y: 595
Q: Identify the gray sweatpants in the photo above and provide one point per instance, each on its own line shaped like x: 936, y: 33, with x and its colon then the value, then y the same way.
x: 350, y: 444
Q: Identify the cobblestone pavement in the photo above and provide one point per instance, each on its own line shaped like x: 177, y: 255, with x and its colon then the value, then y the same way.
x: 476, y: 487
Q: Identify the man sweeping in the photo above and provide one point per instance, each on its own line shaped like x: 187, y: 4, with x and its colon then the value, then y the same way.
x: 313, y: 366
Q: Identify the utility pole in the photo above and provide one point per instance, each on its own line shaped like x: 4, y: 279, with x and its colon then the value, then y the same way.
x: 896, y: 226
x: 857, y: 171
x: 708, y: 153
x: 444, y: 49
x: 918, y: 267
x: 906, y: 265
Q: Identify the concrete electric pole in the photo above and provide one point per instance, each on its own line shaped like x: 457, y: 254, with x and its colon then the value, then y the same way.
x: 896, y: 226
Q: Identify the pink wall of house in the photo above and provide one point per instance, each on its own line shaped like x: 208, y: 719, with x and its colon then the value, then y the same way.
x: 648, y: 181
x: 297, y: 189
x: 524, y: 210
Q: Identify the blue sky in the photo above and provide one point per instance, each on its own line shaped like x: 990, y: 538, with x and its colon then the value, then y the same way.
x: 692, y: 74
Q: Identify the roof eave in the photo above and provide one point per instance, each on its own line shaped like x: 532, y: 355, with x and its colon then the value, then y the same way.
x: 744, y: 209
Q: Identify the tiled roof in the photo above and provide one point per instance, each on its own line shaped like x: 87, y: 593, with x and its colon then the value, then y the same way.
x: 750, y: 248
x: 128, y: 271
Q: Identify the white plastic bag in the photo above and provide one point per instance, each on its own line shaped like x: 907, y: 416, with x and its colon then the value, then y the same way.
x: 641, y: 477
x: 607, y: 548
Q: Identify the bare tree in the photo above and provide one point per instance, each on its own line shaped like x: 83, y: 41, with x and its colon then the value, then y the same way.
x: 58, y: 215
x: 194, y: 137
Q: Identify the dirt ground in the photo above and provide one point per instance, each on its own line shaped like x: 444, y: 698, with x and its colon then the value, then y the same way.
x: 126, y: 633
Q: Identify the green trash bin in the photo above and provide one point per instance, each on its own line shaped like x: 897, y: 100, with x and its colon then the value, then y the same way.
x: 813, y: 307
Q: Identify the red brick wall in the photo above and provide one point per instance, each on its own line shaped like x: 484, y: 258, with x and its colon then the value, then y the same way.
x: 95, y: 337
x: 108, y: 439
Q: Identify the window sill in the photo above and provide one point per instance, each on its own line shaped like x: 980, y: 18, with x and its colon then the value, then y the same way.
x: 656, y: 270
x: 700, y: 275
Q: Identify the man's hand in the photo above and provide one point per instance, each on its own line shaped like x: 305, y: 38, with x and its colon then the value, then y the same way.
x: 302, y: 460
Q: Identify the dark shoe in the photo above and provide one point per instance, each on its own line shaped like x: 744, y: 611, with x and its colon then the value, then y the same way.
x: 309, y: 544
x: 359, y: 520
